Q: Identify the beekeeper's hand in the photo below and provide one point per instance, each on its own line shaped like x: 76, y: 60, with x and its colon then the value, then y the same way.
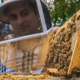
x: 54, y: 30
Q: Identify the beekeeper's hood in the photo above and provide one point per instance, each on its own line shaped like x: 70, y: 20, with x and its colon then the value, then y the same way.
x: 43, y: 12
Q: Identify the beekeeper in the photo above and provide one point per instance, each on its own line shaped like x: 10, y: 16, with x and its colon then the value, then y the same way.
x: 26, y: 55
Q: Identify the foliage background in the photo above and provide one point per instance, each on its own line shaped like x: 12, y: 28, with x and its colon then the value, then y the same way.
x: 62, y: 10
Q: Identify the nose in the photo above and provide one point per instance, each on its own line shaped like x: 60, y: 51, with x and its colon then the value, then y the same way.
x: 20, y: 20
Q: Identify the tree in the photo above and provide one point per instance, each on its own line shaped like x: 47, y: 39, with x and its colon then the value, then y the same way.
x: 62, y: 10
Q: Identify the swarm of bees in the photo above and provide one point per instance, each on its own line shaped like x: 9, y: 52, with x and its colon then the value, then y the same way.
x: 61, y: 49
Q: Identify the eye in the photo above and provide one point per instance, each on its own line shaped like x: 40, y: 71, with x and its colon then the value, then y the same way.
x: 13, y: 17
x: 24, y: 14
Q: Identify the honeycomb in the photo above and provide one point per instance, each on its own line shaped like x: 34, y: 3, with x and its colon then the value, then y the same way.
x: 19, y: 76
x: 62, y: 46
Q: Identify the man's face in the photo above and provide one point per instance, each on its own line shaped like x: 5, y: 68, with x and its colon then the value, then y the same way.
x: 23, y: 18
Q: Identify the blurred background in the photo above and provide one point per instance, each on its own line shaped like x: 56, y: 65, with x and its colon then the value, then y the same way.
x: 62, y: 10
x: 4, y: 28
